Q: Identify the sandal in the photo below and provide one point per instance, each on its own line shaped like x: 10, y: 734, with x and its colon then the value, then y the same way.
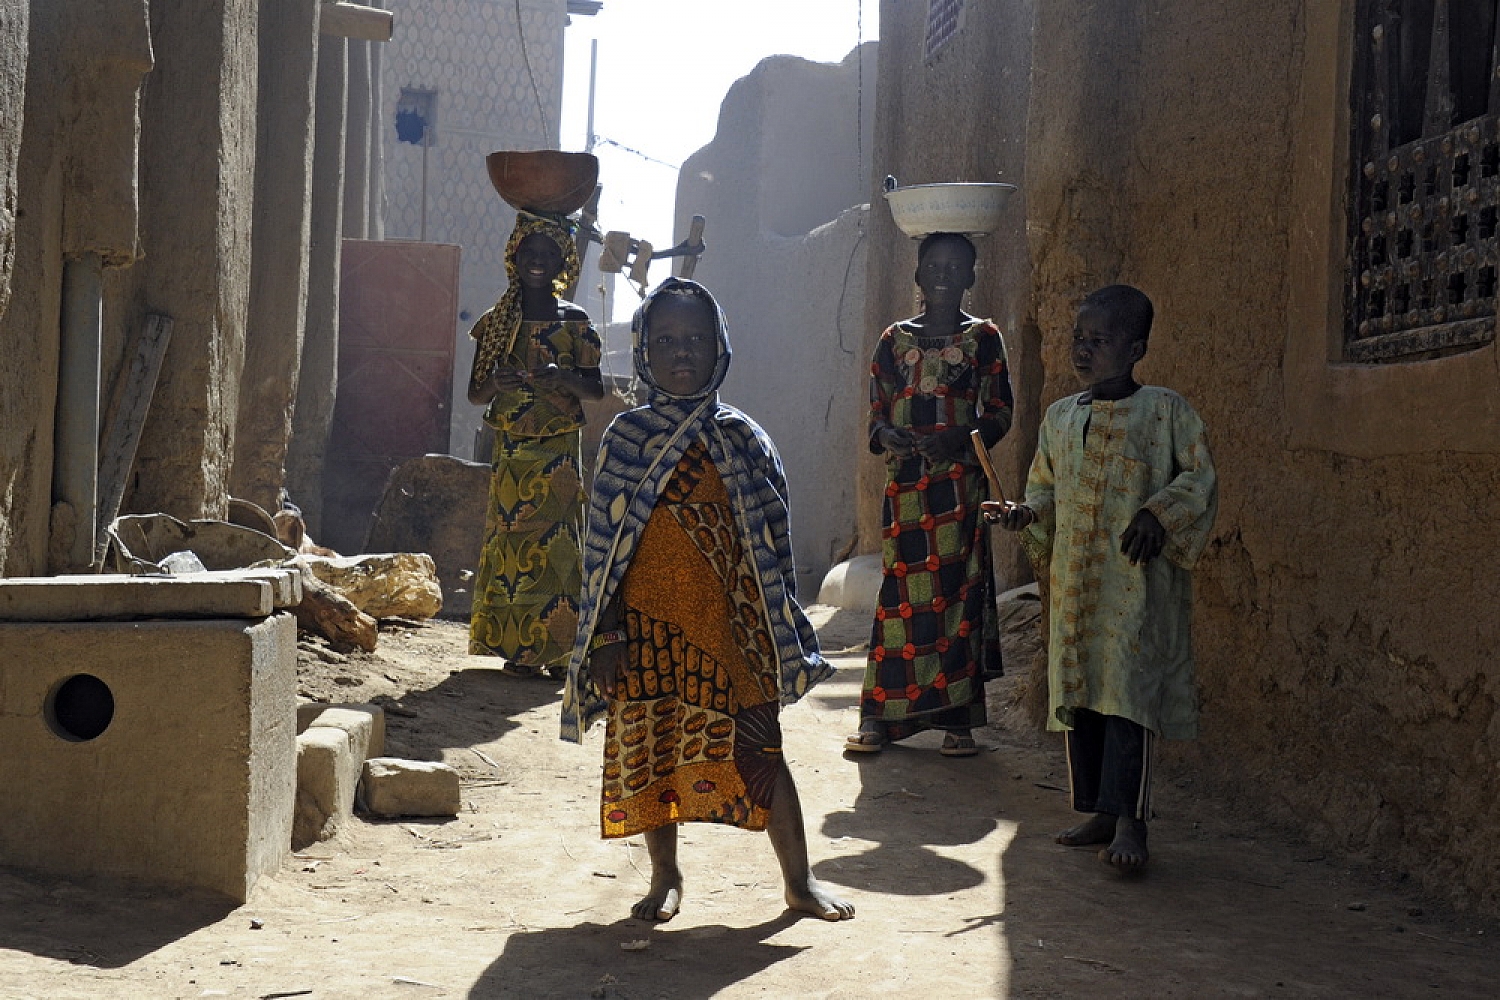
x: 871, y: 738
x: 958, y: 746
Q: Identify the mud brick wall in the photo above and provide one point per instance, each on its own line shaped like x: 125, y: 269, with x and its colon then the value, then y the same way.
x: 1345, y: 620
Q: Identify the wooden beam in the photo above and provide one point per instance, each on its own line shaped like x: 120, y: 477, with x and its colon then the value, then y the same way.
x: 350, y: 20
x: 136, y: 386
x: 1437, y: 115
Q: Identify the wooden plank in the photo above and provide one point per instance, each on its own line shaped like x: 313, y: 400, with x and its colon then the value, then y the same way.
x: 350, y: 20
x: 695, y: 239
x: 117, y: 456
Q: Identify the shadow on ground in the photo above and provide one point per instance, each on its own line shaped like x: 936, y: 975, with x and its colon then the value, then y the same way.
x: 607, y: 960
x: 473, y: 705
x: 97, y: 922
x: 912, y: 800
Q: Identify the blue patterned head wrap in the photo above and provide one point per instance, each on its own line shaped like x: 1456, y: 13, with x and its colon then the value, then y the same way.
x: 639, y: 338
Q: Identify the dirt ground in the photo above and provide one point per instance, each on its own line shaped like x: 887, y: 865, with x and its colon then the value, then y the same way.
x: 960, y: 890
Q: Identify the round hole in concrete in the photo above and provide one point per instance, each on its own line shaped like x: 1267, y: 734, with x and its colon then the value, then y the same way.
x: 80, y: 708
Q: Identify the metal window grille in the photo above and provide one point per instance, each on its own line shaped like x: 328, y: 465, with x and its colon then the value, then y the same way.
x: 944, y: 19
x: 1425, y: 179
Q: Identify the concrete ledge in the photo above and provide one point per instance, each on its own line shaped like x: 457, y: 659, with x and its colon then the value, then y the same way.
x: 333, y: 742
x: 365, y: 724
x: 117, y: 597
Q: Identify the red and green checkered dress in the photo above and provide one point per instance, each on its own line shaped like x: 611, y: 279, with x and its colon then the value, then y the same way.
x: 936, y: 636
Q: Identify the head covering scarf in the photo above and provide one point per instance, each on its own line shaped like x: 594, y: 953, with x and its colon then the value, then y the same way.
x: 496, y: 330
x: 637, y: 457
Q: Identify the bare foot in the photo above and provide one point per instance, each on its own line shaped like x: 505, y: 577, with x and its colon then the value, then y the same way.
x: 1127, y: 851
x: 665, y: 895
x: 1097, y: 829
x: 815, y: 899
x: 788, y: 838
x: 660, y: 904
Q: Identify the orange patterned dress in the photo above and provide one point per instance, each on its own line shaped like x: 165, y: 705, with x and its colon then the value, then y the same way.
x: 692, y: 731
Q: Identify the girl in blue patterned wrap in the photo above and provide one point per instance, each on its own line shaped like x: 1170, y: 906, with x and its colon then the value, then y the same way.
x: 688, y: 621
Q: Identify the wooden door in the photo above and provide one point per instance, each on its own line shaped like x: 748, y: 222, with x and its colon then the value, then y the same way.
x: 398, y: 309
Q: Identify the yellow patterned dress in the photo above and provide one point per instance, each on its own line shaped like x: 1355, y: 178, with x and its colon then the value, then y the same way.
x: 526, y: 590
x: 692, y: 732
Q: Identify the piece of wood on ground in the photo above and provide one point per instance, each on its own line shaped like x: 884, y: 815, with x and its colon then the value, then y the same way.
x: 333, y: 616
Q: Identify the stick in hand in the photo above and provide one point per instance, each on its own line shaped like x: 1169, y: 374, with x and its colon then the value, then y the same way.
x: 984, y: 463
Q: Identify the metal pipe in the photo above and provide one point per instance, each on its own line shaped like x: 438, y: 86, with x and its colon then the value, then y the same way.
x: 588, y: 139
x: 75, y: 463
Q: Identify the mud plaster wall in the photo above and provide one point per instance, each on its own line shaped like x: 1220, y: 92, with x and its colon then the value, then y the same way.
x: 198, y: 139
x: 74, y: 192
x: 317, y: 377
x: 22, y: 396
x: 179, y: 79
x: 495, y: 72
x: 958, y: 116
x: 277, y: 306
x: 786, y: 261
x: 13, y: 28
x: 346, y: 200
x: 1344, y: 617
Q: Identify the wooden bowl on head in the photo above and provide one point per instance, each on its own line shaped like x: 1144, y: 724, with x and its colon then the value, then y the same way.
x: 543, y: 180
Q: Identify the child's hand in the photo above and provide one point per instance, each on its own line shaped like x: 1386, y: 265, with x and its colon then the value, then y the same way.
x: 1144, y: 538
x: 604, y: 667
x: 1009, y: 515
x: 897, y: 440
x: 951, y: 444
x: 508, y: 379
x: 547, y: 378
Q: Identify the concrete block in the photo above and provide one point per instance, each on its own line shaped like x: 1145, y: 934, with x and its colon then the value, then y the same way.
x: 162, y: 750
x: 363, y: 723
x: 327, y: 776
x: 394, y: 787
x: 333, y: 742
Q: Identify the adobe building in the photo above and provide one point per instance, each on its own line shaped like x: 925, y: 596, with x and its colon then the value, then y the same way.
x: 157, y: 266
x: 1308, y: 192
x: 163, y: 167
x: 783, y: 187
x: 206, y: 169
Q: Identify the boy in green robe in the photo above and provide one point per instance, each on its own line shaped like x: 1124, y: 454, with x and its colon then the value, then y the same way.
x: 1119, y: 503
